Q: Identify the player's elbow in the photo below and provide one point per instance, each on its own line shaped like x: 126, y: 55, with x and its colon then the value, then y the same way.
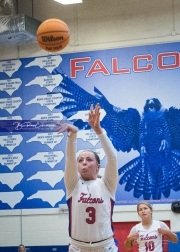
x: 174, y: 238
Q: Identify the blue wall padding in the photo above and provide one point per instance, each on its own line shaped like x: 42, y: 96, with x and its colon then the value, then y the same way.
x: 174, y: 247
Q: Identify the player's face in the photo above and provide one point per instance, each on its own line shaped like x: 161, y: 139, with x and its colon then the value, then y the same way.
x: 144, y: 212
x: 88, y: 166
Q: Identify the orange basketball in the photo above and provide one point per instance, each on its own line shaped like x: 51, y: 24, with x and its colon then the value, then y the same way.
x: 53, y: 35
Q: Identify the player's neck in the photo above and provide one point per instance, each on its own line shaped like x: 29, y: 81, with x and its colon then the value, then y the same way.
x: 146, y: 223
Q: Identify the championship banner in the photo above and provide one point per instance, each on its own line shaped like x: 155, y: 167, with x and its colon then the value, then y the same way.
x: 138, y: 91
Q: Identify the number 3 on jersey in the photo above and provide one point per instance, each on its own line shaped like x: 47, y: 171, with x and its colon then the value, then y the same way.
x: 92, y: 215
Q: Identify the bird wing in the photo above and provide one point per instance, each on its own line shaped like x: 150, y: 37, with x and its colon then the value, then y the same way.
x: 173, y: 120
x: 122, y: 126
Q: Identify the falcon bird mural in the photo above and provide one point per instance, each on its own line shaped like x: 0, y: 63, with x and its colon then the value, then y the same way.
x: 155, y: 135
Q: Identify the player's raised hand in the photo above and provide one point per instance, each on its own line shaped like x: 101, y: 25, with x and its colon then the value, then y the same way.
x: 71, y: 129
x: 94, y: 119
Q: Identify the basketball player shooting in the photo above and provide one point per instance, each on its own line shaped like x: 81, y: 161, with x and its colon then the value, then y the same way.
x: 90, y: 199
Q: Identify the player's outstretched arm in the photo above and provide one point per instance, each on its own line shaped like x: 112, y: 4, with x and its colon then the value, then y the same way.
x: 110, y: 175
x: 71, y: 171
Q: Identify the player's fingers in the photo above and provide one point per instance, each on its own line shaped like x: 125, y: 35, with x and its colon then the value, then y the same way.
x: 91, y: 108
x: 97, y: 108
x: 62, y: 128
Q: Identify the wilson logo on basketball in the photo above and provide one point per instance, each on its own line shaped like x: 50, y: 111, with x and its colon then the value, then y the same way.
x: 52, y: 38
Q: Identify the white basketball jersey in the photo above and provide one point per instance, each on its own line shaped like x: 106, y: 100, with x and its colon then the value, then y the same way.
x: 91, y: 206
x: 150, y: 239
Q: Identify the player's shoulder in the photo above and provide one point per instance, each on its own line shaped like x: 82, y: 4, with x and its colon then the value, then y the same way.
x: 163, y: 225
x: 159, y: 224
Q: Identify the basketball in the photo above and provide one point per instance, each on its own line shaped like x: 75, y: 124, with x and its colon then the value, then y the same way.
x: 53, y: 35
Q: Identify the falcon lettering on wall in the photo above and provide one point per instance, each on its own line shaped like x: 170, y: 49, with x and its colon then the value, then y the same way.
x: 155, y: 135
